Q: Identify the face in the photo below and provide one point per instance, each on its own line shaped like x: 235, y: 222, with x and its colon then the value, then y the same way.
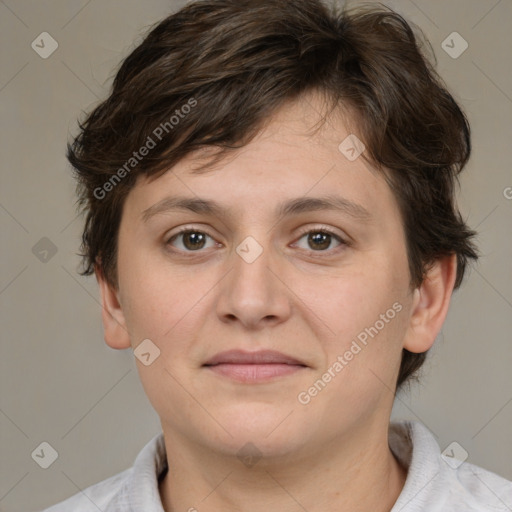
x: 325, y: 286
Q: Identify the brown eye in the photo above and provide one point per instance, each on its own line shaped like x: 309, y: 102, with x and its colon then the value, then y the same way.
x: 320, y: 240
x: 192, y: 240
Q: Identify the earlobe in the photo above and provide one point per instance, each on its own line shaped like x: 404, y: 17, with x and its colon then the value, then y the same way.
x: 114, y: 324
x: 430, y: 305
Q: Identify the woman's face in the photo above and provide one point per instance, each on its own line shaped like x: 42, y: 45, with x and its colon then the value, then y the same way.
x: 257, y: 273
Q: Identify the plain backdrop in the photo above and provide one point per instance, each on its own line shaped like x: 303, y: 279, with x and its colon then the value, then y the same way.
x: 61, y: 384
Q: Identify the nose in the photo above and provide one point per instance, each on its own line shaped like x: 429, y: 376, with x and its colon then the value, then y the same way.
x: 254, y: 292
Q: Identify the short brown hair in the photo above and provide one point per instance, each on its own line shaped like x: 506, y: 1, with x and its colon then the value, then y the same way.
x: 232, y: 63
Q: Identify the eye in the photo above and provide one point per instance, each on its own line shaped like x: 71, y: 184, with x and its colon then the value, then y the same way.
x: 320, y: 239
x: 193, y: 239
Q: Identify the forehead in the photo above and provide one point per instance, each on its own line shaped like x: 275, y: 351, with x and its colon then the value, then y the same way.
x: 296, y: 154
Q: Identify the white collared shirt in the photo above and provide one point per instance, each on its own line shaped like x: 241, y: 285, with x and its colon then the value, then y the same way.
x: 434, y: 483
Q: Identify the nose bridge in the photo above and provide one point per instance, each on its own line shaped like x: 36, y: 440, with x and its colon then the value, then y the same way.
x: 251, y: 263
x: 252, y: 291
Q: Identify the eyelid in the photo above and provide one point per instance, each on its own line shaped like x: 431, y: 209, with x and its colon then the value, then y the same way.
x: 344, y: 241
x: 187, y: 229
x: 326, y: 229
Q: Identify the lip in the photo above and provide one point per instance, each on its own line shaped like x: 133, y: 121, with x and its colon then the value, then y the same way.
x: 251, y: 367
x: 260, y: 357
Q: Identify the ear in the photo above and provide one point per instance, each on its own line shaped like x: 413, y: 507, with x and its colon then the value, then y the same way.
x: 430, y: 305
x: 114, y: 324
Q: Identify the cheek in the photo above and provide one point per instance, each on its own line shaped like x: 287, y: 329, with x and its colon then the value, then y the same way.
x: 155, y: 306
x: 165, y: 303
x: 353, y: 300
x: 147, y: 298
x: 364, y: 317
x: 362, y: 347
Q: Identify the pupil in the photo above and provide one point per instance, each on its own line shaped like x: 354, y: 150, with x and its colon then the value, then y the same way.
x: 317, y: 239
x: 198, y: 237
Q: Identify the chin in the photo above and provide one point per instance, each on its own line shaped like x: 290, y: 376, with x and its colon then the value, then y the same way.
x: 258, y: 447
x: 273, y: 432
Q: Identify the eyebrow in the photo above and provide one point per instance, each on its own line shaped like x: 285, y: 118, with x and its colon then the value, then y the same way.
x: 288, y: 208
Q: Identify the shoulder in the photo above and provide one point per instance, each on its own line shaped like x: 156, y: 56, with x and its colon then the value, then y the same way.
x: 438, y: 482
x: 475, y: 489
x: 93, y: 498
x: 135, y: 488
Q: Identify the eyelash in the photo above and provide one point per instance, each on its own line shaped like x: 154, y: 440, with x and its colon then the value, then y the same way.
x: 321, y: 229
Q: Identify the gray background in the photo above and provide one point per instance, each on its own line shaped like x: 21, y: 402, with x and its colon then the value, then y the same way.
x: 61, y: 383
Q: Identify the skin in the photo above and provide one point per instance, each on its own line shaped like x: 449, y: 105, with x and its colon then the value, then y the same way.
x: 302, y: 298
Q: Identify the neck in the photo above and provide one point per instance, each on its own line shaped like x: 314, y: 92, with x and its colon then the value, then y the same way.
x: 349, y: 473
